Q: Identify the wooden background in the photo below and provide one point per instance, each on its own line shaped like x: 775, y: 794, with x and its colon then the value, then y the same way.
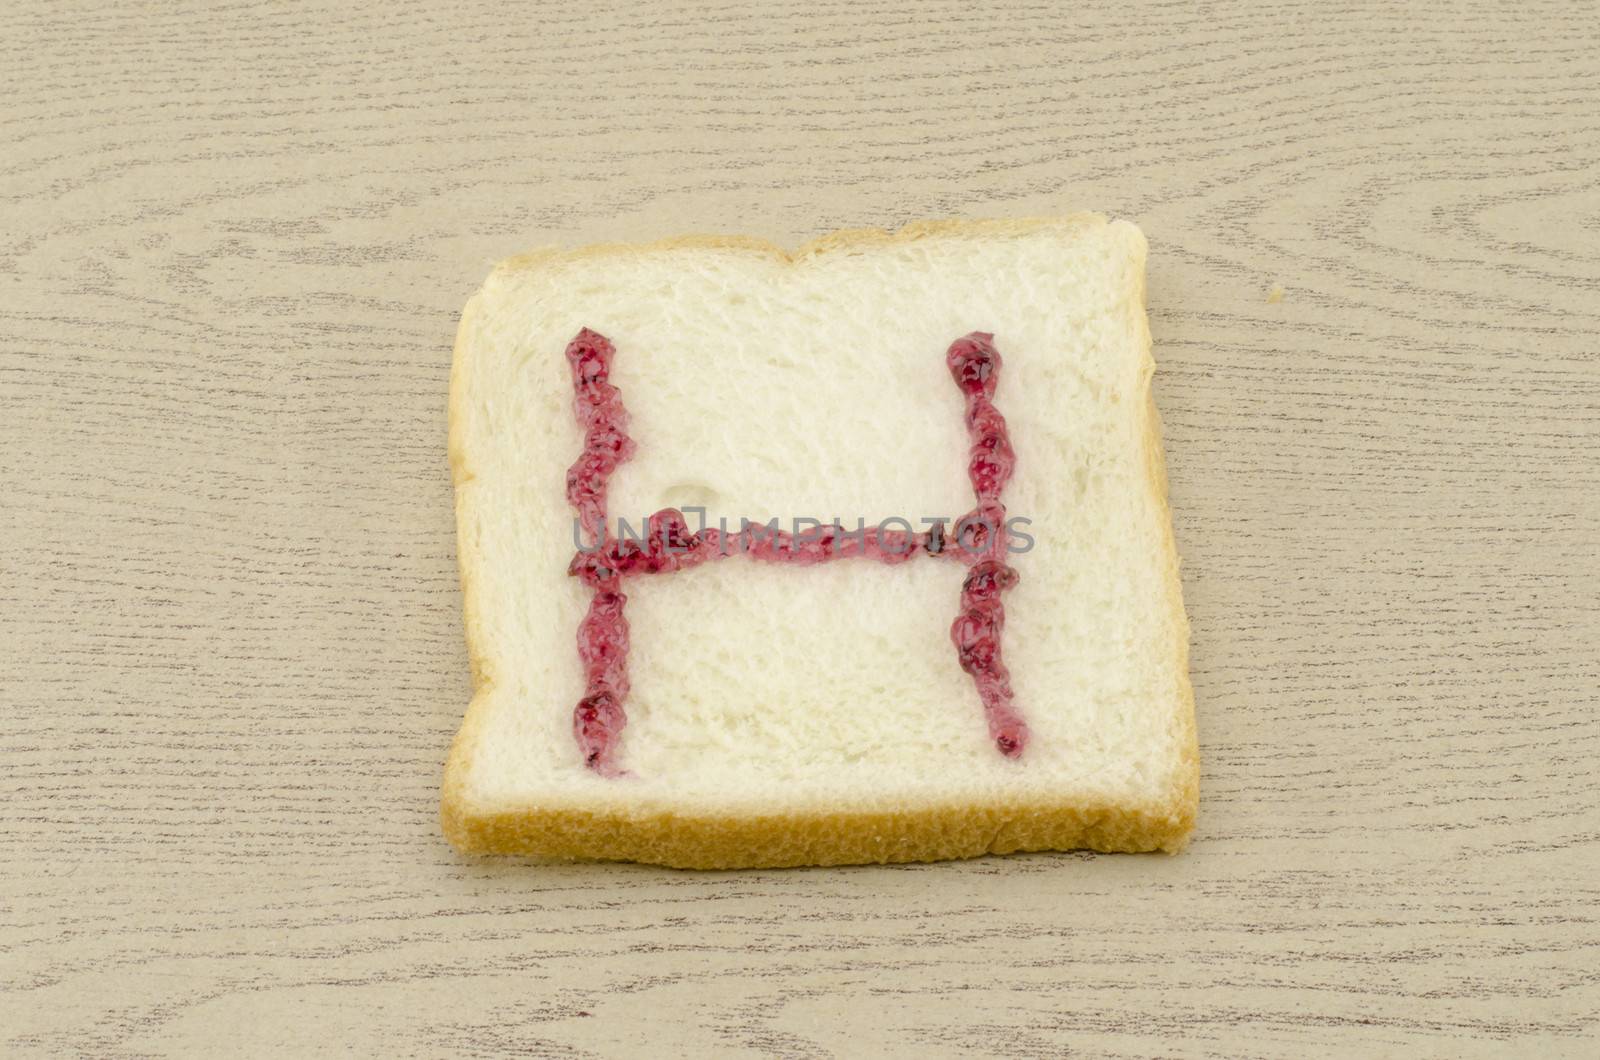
x: 234, y: 240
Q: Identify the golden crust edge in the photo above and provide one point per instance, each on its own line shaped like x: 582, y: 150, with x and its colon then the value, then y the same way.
x: 721, y: 841
x: 453, y: 800
x: 935, y: 832
x: 1187, y: 798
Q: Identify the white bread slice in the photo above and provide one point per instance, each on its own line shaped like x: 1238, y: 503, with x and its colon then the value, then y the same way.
x: 783, y: 715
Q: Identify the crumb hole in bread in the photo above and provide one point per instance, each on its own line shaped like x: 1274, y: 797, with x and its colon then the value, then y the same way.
x: 688, y: 495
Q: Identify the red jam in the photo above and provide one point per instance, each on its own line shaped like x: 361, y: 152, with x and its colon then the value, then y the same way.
x: 975, y: 366
x: 598, y: 719
x: 668, y: 545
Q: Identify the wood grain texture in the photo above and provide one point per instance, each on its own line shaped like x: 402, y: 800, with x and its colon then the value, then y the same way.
x: 235, y: 242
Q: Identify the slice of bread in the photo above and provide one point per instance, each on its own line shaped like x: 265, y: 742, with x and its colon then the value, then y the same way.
x: 771, y: 712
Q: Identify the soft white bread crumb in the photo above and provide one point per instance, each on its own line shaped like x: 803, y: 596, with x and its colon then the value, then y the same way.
x: 790, y: 716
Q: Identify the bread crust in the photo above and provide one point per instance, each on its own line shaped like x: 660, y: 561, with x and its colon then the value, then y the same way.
x: 931, y: 833
x: 936, y: 831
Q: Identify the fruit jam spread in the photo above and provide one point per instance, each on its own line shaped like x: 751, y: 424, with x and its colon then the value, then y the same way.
x: 669, y: 545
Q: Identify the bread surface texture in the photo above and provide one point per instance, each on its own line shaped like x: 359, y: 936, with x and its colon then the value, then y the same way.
x: 812, y: 716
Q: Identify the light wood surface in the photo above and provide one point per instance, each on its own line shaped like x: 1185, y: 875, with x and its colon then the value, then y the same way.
x: 235, y: 242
